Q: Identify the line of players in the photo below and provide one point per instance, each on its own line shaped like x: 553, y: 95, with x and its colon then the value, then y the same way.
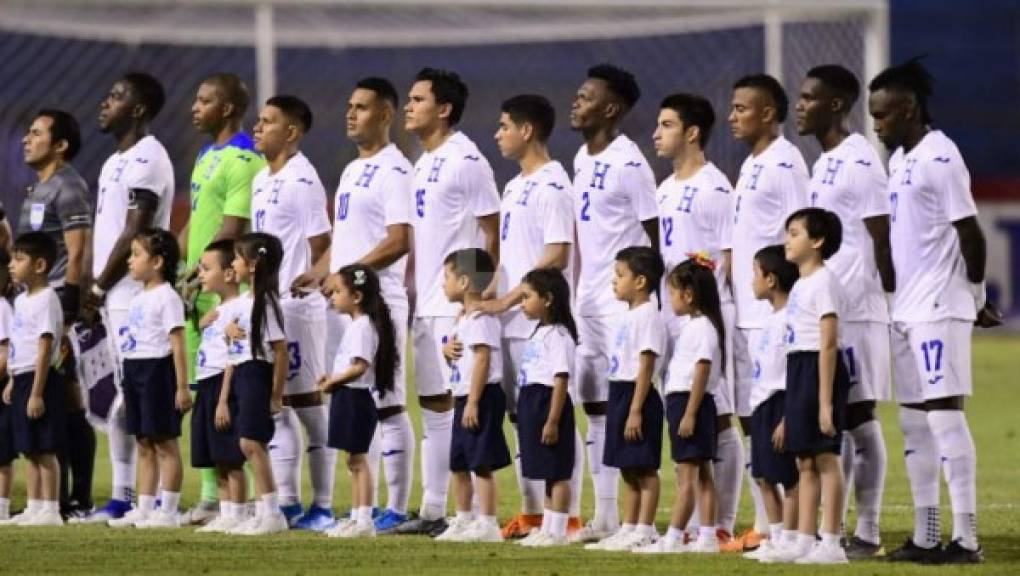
x: 911, y: 262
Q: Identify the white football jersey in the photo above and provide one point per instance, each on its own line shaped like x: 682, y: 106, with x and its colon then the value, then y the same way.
x: 929, y: 189
x: 695, y: 215
x: 373, y: 193
x: 811, y: 298
x: 850, y: 181
x: 34, y: 316
x: 453, y: 187
x: 771, y: 186
x: 290, y: 205
x: 536, y: 210
x: 614, y: 192
x: 152, y: 315
x: 144, y: 166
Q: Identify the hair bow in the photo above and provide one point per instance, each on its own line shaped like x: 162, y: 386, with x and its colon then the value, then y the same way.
x: 359, y: 277
x: 702, y: 259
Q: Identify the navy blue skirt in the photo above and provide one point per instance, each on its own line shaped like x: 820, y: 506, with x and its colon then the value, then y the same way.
x: 150, y: 392
x: 483, y: 449
x: 252, y: 383
x: 645, y: 453
x: 352, y: 420
x: 7, y: 452
x: 767, y: 464
x: 45, y: 435
x: 210, y: 446
x: 702, y: 445
x: 552, y: 463
x: 803, y: 435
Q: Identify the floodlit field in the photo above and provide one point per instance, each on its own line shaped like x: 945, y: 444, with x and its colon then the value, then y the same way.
x: 994, y: 419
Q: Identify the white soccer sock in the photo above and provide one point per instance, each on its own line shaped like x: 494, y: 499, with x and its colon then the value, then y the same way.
x: 577, y: 477
x: 558, y: 523
x: 123, y: 458
x: 647, y: 530
x: 270, y: 502
x: 956, y: 446
x: 532, y: 491
x: 285, y: 456
x: 5, y: 507
x: 674, y: 534
x: 545, y: 520
x: 922, y: 461
x: 169, y: 501
x: 846, y: 454
x: 435, y: 462
x: 761, y: 518
x: 146, y: 503
x: 605, y: 478
x: 465, y: 515
x: 398, y: 460
x: 869, y: 478
x: 364, y: 515
x: 321, y: 458
x: 728, y: 470
x: 776, y: 532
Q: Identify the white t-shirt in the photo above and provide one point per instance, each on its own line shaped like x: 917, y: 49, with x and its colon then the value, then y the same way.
x: 638, y: 330
x: 850, y: 181
x: 768, y: 356
x: 929, y: 189
x: 144, y: 166
x: 696, y: 215
x: 359, y: 341
x: 771, y: 186
x: 614, y: 192
x: 698, y: 341
x: 240, y: 309
x: 6, y: 318
x: 152, y: 315
x: 811, y: 298
x: 212, y: 351
x: 290, y: 205
x: 476, y: 330
x: 373, y: 193
x: 536, y: 210
x: 453, y: 187
x: 549, y: 351
x: 34, y: 315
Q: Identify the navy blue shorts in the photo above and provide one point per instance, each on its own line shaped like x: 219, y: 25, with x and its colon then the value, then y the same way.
x: 210, y: 446
x: 46, y: 435
x: 484, y: 449
x: 352, y: 420
x: 702, y: 445
x: 252, y: 383
x: 645, y: 453
x: 150, y: 391
x: 767, y: 464
x: 7, y: 452
x: 538, y: 461
x: 803, y: 435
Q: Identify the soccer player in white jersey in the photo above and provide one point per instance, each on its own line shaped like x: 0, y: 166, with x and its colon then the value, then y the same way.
x: 772, y: 185
x: 849, y: 180
x: 289, y: 202
x: 136, y: 190
x: 938, y: 251
x: 695, y: 215
x: 614, y: 208
x: 536, y: 231
x: 371, y: 226
x: 455, y: 198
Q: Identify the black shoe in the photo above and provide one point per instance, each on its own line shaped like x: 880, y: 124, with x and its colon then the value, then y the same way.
x: 911, y: 552
x: 437, y: 527
x: 859, y: 549
x: 954, y: 553
x: 417, y: 525
x: 75, y: 509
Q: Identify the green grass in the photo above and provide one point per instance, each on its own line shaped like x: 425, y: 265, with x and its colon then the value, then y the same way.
x: 992, y: 414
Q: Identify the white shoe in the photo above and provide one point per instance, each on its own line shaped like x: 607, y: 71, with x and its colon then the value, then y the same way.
x: 455, y: 530
x: 268, y: 524
x: 17, y: 519
x: 221, y: 524
x: 341, y: 526
x: 160, y: 519
x: 608, y: 540
x: 547, y: 540
x: 705, y: 546
x: 42, y: 518
x: 202, y: 514
x: 590, y: 533
x: 482, y: 531
x: 662, y: 546
x: 357, y: 530
x: 783, y: 554
x: 761, y: 551
x: 242, y: 528
x: 532, y: 536
x: 824, y: 554
x: 128, y: 520
x: 633, y: 539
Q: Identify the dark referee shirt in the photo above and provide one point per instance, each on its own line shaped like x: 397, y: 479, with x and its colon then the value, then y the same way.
x: 53, y: 207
